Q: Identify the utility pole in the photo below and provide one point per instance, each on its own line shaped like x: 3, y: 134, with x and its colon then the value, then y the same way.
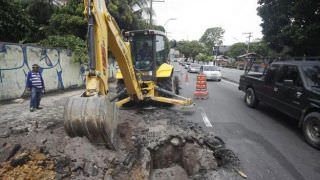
x: 151, y: 10
x: 249, y: 38
x: 151, y: 13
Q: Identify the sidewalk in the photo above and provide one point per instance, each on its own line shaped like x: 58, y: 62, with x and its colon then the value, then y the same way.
x: 16, y: 117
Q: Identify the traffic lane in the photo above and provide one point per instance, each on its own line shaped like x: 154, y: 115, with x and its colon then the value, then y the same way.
x: 232, y: 74
x: 261, y: 137
x: 269, y: 144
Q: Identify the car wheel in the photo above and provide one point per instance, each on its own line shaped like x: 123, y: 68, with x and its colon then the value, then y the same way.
x: 311, y: 129
x: 250, y: 98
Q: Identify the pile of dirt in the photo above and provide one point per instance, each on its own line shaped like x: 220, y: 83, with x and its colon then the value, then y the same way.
x: 150, y: 144
x: 28, y: 165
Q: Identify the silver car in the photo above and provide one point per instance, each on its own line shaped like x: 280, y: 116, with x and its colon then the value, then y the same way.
x: 212, y: 72
x: 194, y: 68
x: 186, y: 66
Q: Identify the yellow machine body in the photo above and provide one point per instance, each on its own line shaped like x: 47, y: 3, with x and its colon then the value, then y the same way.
x: 94, y: 114
x: 164, y: 71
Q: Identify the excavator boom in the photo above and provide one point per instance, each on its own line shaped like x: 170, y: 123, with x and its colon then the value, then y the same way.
x: 94, y: 114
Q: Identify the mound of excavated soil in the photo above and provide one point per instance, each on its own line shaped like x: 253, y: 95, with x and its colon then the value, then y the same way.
x: 150, y: 144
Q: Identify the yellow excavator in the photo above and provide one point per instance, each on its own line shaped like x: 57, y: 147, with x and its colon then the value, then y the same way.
x: 144, y: 76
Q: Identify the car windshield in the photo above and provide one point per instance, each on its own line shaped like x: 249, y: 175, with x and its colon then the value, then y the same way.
x: 210, y: 68
x: 312, y: 75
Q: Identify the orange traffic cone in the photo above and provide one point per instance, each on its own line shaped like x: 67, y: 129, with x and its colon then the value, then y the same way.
x: 201, y: 87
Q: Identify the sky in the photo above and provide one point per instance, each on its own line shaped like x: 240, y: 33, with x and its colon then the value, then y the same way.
x: 193, y: 17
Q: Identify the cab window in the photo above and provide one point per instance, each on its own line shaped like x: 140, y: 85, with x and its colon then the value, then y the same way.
x: 271, y: 73
x: 160, y: 50
x: 142, y: 52
x: 289, y: 75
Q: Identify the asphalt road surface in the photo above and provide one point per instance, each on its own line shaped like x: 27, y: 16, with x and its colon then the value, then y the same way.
x: 232, y: 74
x: 268, y: 143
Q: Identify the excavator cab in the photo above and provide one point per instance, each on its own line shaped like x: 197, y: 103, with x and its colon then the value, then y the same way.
x: 149, y: 49
x: 149, y: 52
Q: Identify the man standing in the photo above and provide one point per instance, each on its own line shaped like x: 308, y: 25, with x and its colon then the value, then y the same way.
x: 35, y: 84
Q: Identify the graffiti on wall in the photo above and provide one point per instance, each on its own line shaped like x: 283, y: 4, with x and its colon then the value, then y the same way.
x: 56, y: 65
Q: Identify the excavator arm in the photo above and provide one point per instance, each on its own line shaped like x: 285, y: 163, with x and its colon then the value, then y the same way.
x: 103, y: 34
x: 94, y: 114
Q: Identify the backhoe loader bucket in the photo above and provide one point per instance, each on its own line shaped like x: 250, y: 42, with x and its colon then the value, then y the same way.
x: 92, y: 117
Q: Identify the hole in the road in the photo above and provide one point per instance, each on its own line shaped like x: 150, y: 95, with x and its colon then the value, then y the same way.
x: 167, y: 155
x: 190, y: 156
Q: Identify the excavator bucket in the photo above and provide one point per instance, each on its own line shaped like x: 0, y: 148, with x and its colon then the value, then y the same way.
x: 92, y: 117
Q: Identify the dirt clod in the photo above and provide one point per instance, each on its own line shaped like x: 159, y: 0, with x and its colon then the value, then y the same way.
x: 171, y: 173
x: 5, y: 134
x: 19, y: 160
x: 19, y: 130
x: 8, y: 151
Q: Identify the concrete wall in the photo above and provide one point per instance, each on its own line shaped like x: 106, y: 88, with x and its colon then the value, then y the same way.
x: 58, y: 69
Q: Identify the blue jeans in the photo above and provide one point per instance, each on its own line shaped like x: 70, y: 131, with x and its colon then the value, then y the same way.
x: 35, y: 97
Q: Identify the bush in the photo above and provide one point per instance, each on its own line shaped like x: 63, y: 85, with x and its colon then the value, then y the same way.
x: 71, y: 42
x: 204, y: 57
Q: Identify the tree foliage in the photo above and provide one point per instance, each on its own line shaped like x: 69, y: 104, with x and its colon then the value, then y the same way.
x: 126, y: 18
x: 67, y: 28
x: 15, y: 23
x: 262, y: 49
x: 259, y: 47
x: 237, y: 49
x: 291, y: 27
x: 40, y: 21
x: 212, y: 37
x: 204, y: 57
x: 190, y: 48
x: 71, y: 42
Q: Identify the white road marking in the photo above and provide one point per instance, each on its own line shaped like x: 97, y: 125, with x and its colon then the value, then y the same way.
x: 205, y: 117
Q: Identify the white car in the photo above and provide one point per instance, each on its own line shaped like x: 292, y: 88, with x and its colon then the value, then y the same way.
x: 212, y: 72
x: 186, y: 66
x: 194, y: 68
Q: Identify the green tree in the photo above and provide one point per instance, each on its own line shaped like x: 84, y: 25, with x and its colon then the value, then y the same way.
x: 204, y: 57
x: 262, y: 49
x: 124, y: 15
x: 259, y: 47
x: 68, y: 20
x: 190, y: 48
x: 67, y: 28
x: 40, y: 12
x: 237, y: 49
x: 291, y: 27
x: 71, y: 42
x: 212, y: 37
x: 15, y: 23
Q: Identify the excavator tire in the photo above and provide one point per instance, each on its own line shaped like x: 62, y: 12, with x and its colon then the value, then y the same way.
x: 92, y: 117
x: 120, y: 86
x: 170, y: 84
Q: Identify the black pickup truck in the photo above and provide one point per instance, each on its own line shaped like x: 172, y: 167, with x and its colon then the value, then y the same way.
x: 292, y: 87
